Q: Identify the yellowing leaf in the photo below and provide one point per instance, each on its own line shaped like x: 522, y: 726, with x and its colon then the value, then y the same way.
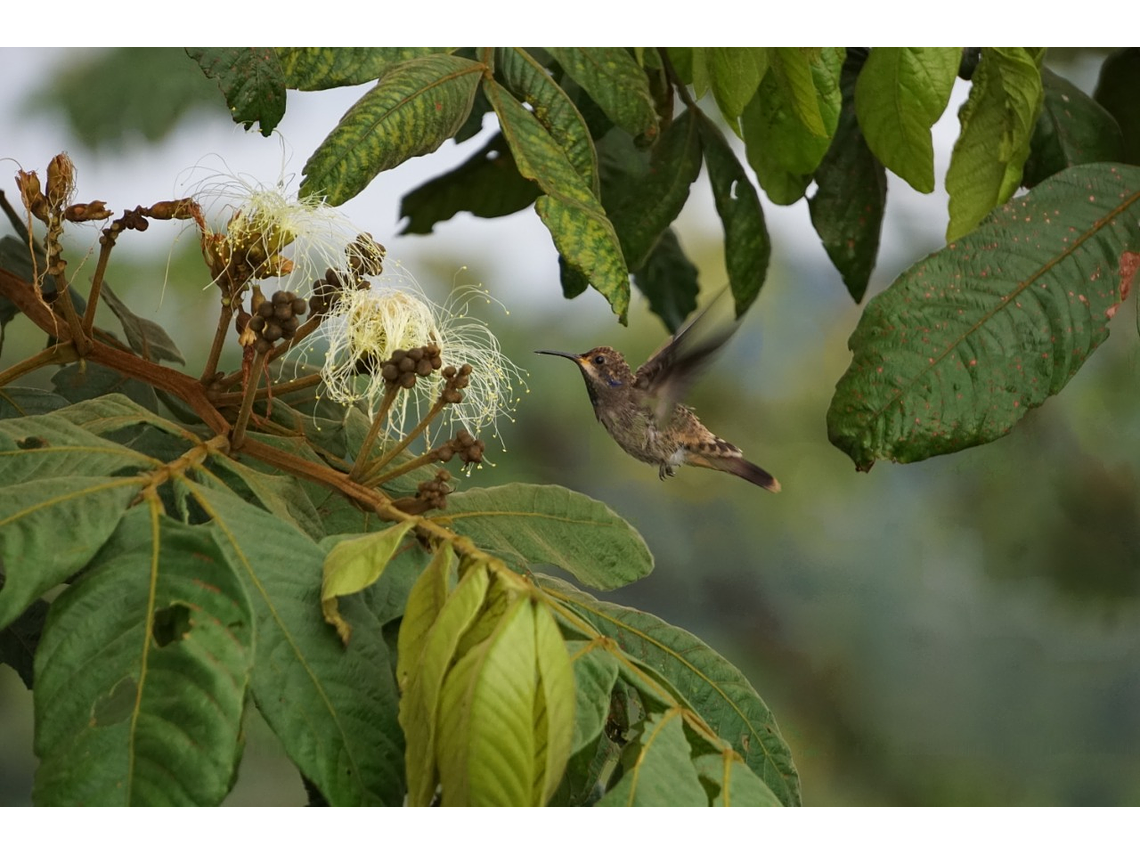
x: 353, y: 565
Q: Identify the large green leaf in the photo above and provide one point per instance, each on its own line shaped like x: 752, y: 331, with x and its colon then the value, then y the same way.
x: 966, y: 342
x: 354, y: 564
x: 20, y: 638
x: 1072, y: 129
x: 570, y: 210
x: 901, y: 93
x: 252, y: 81
x: 334, y: 708
x: 415, y: 107
x: 554, y: 714
x: 746, y: 244
x: 315, y: 68
x: 615, y: 82
x: 735, y: 74
x: 734, y: 783
x: 669, y: 281
x: 82, y: 381
x: 997, y: 125
x: 34, y: 448
x: 533, y: 524
x: 847, y: 208
x: 142, y: 672
x: 712, y: 686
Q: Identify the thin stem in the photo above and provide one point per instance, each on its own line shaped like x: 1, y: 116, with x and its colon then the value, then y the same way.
x: 63, y: 290
x: 378, y: 421
x: 427, y: 457
x: 106, y: 244
x: 277, y: 389
x: 57, y: 354
x: 219, y: 340
x: 247, y: 402
x: 389, y: 455
x: 302, y: 331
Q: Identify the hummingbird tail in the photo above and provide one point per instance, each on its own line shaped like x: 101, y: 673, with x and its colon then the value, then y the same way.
x: 739, y: 467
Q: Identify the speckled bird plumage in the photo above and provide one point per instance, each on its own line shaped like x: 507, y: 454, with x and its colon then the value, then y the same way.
x: 640, y: 410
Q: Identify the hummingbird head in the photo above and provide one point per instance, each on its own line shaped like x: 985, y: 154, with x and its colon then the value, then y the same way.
x: 603, y: 369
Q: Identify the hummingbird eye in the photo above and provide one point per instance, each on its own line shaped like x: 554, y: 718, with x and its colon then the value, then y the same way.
x: 599, y: 360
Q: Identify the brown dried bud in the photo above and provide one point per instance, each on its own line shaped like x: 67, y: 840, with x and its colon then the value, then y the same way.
x: 407, y: 380
x: 96, y: 210
x: 178, y: 209
x: 365, y: 256
x: 60, y: 180
x: 32, y: 195
x: 390, y: 372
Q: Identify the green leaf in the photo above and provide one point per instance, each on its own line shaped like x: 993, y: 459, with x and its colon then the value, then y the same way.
x: 333, y: 708
x: 19, y: 401
x: 82, y: 381
x: 794, y: 71
x: 595, y: 672
x: 486, y: 741
x: 19, y: 640
x: 746, y: 245
x: 997, y: 125
x: 145, y: 337
x: 530, y: 82
x: 159, y: 720
x: 51, y: 528
x: 412, y: 111
x: 642, y: 206
x: 847, y: 208
x: 548, y: 524
x: 570, y: 211
x: 1072, y: 129
x: 425, y: 602
x: 966, y: 342
x: 900, y: 94
x: 281, y: 495
x: 662, y: 773
x: 1116, y: 92
x: 315, y: 68
x: 735, y: 784
x: 352, y: 565
x: 615, y: 82
x: 669, y: 281
x: 713, y: 687
x: 735, y: 73
x: 48, y: 446
x: 252, y: 81
x: 487, y: 184
x: 419, y: 706
x: 781, y: 145
x: 554, y: 716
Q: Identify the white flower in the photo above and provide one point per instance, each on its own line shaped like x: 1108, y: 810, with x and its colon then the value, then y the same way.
x: 365, y: 326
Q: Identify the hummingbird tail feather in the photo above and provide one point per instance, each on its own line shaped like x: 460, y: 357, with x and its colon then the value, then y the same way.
x: 739, y: 467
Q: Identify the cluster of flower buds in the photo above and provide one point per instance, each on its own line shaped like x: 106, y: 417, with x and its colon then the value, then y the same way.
x: 46, y: 202
x: 276, y: 319
x: 430, y: 495
x: 404, y: 366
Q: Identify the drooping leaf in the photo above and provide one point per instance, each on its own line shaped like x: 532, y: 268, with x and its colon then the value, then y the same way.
x: 1072, y: 129
x: 354, y: 564
x: 616, y: 83
x: 487, y: 184
x: 415, y: 107
x: 735, y: 73
x: 252, y: 81
x: 900, y: 94
x: 570, y: 211
x: 1116, y: 92
x: 18, y: 401
x: 662, y: 774
x: 847, y: 208
x: 746, y: 244
x: 712, y: 686
x: 642, y: 206
x: 19, y: 640
x: 531, y: 83
x: 315, y: 68
x: 425, y: 602
x: 145, y: 337
x: 555, y: 697
x: 784, y: 140
x: 548, y: 524
x: 159, y: 721
x: 333, y: 708
x: 595, y: 671
x: 966, y: 342
x: 669, y: 281
x: 997, y: 125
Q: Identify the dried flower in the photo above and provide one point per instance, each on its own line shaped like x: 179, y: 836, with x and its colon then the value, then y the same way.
x: 393, y: 314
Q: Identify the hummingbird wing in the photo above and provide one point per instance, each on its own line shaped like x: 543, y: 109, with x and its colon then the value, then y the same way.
x: 667, y: 375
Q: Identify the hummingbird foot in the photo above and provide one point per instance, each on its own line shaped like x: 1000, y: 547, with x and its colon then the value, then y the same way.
x: 666, y: 471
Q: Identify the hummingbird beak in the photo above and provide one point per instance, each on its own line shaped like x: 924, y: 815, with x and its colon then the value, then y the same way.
x: 575, y: 356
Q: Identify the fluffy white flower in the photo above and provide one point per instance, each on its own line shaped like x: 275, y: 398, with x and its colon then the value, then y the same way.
x: 365, y: 326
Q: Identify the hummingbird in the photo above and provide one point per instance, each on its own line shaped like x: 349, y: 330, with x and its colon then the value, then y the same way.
x: 640, y: 410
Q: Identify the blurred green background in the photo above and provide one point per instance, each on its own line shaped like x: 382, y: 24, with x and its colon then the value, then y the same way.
x: 959, y: 631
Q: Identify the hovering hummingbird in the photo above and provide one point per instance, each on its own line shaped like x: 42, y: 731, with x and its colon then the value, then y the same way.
x: 641, y: 412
